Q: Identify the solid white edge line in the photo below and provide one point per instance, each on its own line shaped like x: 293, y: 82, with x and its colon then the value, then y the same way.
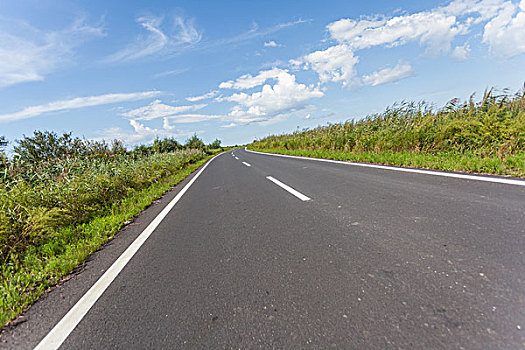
x: 289, y: 189
x: 247, y: 164
x: 407, y: 170
x: 67, y: 324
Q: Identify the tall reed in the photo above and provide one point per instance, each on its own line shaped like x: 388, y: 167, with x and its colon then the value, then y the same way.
x: 491, y: 128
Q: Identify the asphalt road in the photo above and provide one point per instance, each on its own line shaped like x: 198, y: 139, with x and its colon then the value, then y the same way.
x: 374, y: 259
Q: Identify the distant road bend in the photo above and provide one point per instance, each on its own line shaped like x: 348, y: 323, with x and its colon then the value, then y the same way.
x: 268, y: 251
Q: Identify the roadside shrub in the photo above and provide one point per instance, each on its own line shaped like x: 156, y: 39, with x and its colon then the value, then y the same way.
x: 215, y: 144
x: 491, y: 128
x: 165, y: 145
x: 63, y: 192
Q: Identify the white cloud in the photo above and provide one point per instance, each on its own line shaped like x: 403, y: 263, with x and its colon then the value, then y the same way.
x: 75, y: 103
x: 157, y: 109
x: 461, y: 53
x: 28, y: 54
x: 206, y: 96
x: 388, y: 75
x: 227, y: 126
x: 505, y: 33
x: 166, y: 124
x: 159, y: 40
x: 187, y: 33
x: 271, y: 43
x: 336, y: 64
x: 272, y: 101
x: 434, y: 29
x: 505, y: 25
x: 171, y: 72
x: 477, y: 10
x: 141, y: 133
x: 247, y: 81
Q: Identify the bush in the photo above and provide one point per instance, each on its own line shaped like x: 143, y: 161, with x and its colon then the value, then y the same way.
x: 165, y: 145
x: 194, y: 142
x: 215, y: 144
x: 47, y: 145
x: 72, y: 191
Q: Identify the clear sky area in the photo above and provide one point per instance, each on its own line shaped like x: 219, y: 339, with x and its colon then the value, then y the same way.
x: 241, y: 70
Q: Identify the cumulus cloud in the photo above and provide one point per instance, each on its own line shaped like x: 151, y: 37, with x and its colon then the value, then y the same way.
x: 140, y: 133
x: 161, y: 38
x: 461, y: 53
x: 157, y: 109
x: 206, y: 96
x: 388, y: 75
x: 272, y: 101
x: 475, y: 11
x: 504, y: 27
x: 248, y: 81
x: 434, y: 29
x: 227, y: 126
x: 505, y: 33
x: 336, y: 64
x: 75, y: 103
x: 271, y: 43
x: 28, y: 54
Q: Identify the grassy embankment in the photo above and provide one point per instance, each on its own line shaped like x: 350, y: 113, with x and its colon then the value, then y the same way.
x: 56, y: 211
x: 486, y: 137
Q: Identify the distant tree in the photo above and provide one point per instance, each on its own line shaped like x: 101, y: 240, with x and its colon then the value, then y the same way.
x: 47, y: 145
x: 194, y: 142
x: 142, y: 150
x: 165, y: 145
x: 215, y: 144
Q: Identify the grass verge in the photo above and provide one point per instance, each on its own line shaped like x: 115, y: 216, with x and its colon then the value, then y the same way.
x: 512, y: 165
x: 41, y: 267
x: 486, y: 137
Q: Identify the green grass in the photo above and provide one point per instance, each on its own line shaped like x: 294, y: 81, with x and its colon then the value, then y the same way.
x: 485, y: 137
x: 28, y: 269
x: 468, y: 163
x: 41, y: 198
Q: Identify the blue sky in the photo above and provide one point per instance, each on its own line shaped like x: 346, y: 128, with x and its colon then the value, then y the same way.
x: 240, y: 70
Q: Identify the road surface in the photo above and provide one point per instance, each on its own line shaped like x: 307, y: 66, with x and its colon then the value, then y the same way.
x: 272, y: 252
